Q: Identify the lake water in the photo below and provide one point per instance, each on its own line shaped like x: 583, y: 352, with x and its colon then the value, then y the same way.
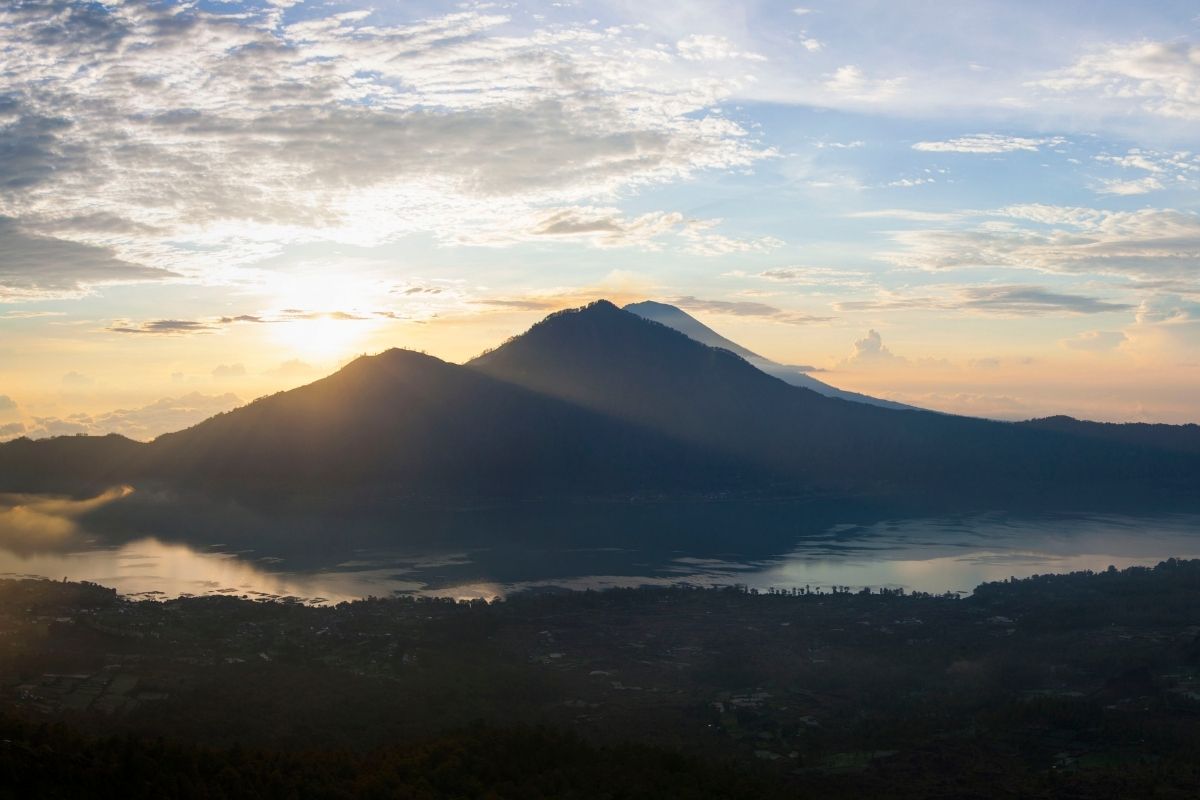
x: 45, y: 537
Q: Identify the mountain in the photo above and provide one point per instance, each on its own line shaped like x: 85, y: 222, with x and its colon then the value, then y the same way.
x: 595, y: 403
x: 1179, y: 438
x: 69, y: 464
x: 691, y: 327
x: 620, y: 364
x: 397, y: 424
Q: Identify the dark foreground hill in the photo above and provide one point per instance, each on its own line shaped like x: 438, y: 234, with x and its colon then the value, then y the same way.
x: 599, y: 402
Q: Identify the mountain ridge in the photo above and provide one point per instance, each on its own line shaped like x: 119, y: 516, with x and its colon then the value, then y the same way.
x: 600, y: 401
x: 678, y: 319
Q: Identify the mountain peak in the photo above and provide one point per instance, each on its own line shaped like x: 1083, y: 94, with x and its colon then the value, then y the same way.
x: 678, y: 319
x: 598, y: 333
x: 596, y: 308
x: 653, y: 306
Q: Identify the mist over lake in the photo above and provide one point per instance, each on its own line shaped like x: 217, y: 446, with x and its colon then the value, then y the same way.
x: 499, y: 551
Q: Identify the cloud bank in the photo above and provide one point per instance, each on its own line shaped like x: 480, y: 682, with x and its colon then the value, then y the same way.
x: 146, y: 141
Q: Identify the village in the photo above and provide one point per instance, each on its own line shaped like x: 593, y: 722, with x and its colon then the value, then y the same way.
x: 795, y: 681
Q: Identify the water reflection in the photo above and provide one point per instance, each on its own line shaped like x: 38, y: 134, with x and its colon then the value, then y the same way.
x: 151, y: 568
x: 933, y: 554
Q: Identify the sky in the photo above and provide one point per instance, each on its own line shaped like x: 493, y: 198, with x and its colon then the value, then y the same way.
x: 987, y: 208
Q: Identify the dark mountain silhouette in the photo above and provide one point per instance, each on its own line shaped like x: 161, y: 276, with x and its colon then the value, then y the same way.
x: 600, y: 402
x: 398, y: 424
x: 1181, y: 438
x: 69, y: 464
x: 691, y: 327
x: 620, y: 364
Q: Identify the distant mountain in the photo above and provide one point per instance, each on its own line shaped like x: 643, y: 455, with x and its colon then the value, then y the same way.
x: 601, y: 403
x: 1180, y: 438
x: 685, y: 323
x: 623, y: 365
x: 69, y: 464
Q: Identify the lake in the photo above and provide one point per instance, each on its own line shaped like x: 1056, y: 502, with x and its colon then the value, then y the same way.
x: 783, y: 548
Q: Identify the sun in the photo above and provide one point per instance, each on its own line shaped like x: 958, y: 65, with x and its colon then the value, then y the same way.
x: 321, y: 338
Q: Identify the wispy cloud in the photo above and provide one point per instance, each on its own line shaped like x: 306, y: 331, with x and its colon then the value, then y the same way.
x: 1149, y: 243
x: 609, y: 227
x: 746, y: 308
x: 850, y: 82
x: 164, y: 326
x: 989, y: 299
x: 1139, y: 186
x: 1095, y: 341
x: 707, y: 47
x: 1157, y: 77
x: 142, y: 423
x: 187, y: 327
x: 988, y: 143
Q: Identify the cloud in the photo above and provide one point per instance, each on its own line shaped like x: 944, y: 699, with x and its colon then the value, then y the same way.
x: 702, y: 241
x: 907, y: 183
x: 815, y: 276
x: 1134, y: 159
x: 605, y: 227
x: 987, y: 362
x: 1168, y: 309
x: 705, y: 47
x: 1011, y: 300
x: 34, y: 267
x: 183, y: 327
x: 144, y: 423
x: 264, y: 131
x: 34, y: 523
x: 7, y: 403
x: 170, y: 327
x: 229, y: 371
x: 31, y: 314
x: 73, y: 378
x: 293, y: 368
x: 1161, y: 78
x: 987, y: 143
x: 1178, y: 170
x: 11, y: 429
x: 1139, y: 186
x: 1025, y: 300
x: 1143, y: 244
x: 852, y: 83
x: 525, y: 303
x: 907, y: 214
x: 871, y: 351
x: 745, y: 308
x: 608, y: 227
x: 1095, y: 341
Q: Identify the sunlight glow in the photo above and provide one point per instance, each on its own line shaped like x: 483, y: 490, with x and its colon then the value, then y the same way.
x: 321, y: 338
